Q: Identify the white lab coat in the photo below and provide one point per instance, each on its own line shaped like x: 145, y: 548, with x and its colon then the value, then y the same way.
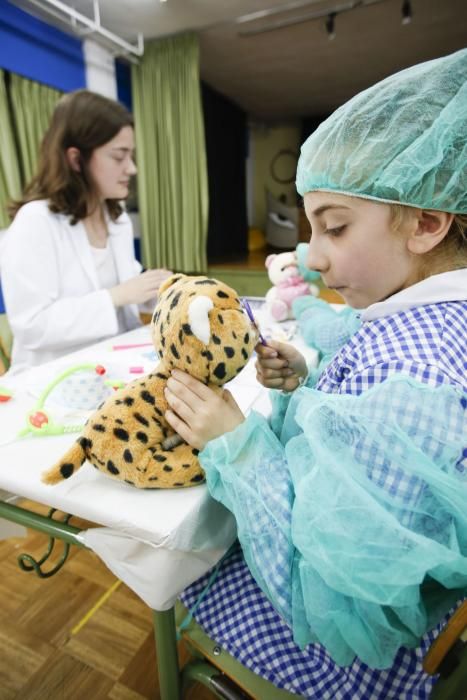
x: 52, y: 296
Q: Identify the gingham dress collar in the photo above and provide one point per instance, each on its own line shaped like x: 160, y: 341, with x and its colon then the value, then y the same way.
x: 447, y: 286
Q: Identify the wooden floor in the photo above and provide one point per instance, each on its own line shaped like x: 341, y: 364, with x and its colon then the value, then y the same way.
x: 79, y: 635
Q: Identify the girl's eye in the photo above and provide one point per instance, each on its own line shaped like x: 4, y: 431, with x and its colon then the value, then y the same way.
x: 334, y: 231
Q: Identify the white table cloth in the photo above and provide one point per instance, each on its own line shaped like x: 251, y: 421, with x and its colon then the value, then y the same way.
x: 156, y: 541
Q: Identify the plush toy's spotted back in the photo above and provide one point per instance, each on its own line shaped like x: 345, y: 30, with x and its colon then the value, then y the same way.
x: 198, y: 326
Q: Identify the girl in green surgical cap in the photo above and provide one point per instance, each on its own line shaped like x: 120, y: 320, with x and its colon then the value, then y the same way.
x: 351, y: 500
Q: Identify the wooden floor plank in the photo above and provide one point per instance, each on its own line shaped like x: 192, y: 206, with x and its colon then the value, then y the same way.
x: 22, y: 654
x: 111, y: 657
x: 140, y: 675
x: 63, y: 601
x: 66, y: 679
x: 107, y: 642
x: 121, y: 692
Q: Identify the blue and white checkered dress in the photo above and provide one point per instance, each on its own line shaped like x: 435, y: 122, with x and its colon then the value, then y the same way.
x: 428, y: 344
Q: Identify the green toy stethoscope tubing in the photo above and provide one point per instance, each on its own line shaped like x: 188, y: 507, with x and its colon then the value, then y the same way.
x: 49, y: 427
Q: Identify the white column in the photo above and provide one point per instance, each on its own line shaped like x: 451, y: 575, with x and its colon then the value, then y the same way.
x: 100, y: 69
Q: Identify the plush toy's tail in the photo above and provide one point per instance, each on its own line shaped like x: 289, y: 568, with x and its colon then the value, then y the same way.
x: 67, y: 466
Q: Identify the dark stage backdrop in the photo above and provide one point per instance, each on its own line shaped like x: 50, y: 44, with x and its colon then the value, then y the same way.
x: 226, y: 135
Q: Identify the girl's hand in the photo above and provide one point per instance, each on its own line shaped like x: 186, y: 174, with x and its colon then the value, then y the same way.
x: 139, y: 289
x: 197, y: 413
x: 280, y: 366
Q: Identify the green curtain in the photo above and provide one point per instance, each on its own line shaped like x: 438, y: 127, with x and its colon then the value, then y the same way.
x: 171, y: 155
x: 32, y: 105
x: 10, y: 181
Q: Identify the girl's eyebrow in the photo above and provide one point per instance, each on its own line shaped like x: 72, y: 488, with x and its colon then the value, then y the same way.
x: 325, y: 207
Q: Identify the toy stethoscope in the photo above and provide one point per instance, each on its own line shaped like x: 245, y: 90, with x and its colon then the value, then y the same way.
x: 39, y: 422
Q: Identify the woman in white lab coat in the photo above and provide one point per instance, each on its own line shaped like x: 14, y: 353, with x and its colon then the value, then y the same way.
x: 69, y: 274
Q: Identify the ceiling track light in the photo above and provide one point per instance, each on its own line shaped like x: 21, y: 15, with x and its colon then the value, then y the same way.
x: 276, y: 24
x: 406, y: 12
x: 330, y: 25
x: 329, y: 15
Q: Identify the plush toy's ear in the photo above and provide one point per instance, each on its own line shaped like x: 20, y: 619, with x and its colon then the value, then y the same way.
x: 198, y: 318
x: 170, y: 281
x: 269, y: 259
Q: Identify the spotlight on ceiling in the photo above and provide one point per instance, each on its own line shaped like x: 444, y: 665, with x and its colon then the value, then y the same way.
x: 330, y: 25
x: 406, y: 12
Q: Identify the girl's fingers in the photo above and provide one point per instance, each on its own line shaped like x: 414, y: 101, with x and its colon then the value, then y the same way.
x: 272, y: 367
x: 267, y: 373
x: 274, y: 382
x: 265, y: 351
x: 175, y: 402
x: 198, y: 388
x: 228, y: 398
x: 179, y: 426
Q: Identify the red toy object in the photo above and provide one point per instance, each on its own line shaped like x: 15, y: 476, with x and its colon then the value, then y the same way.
x: 5, y: 394
x: 100, y: 369
x: 38, y: 419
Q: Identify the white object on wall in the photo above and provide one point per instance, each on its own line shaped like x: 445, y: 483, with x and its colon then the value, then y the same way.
x: 100, y: 69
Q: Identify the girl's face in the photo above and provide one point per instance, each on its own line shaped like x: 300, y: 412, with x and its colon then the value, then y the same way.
x: 111, y: 165
x: 354, y: 248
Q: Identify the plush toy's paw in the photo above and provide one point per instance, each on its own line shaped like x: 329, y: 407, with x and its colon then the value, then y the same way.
x: 279, y: 310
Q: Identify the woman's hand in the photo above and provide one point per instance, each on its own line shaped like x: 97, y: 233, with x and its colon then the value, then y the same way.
x: 280, y: 366
x: 160, y: 275
x: 197, y: 413
x: 139, y: 289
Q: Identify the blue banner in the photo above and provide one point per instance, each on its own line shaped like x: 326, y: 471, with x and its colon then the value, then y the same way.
x: 34, y: 49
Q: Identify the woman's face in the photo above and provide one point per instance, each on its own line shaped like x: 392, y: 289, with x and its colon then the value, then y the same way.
x: 111, y: 165
x: 354, y: 248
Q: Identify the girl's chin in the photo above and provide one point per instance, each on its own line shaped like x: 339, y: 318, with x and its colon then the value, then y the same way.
x: 353, y: 299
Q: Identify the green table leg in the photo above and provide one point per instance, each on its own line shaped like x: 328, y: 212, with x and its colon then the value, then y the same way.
x: 167, y: 656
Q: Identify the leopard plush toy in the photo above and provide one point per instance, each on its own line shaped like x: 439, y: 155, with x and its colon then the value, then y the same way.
x: 198, y: 326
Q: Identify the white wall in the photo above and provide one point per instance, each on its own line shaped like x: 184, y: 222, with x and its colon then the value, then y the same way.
x: 100, y: 69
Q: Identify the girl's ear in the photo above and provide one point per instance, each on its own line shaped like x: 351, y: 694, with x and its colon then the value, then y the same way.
x: 431, y: 227
x: 73, y: 158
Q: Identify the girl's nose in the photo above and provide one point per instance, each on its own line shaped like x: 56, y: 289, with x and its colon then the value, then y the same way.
x: 316, y: 258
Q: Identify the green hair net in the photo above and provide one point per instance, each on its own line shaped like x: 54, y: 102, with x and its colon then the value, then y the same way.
x: 403, y: 140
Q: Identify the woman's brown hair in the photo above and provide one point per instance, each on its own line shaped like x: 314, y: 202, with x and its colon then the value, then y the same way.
x: 84, y: 120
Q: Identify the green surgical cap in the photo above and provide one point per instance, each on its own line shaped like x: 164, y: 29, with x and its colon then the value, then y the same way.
x: 403, y: 140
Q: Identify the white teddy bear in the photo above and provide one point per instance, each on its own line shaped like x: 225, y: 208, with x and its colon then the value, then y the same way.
x: 290, y: 281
